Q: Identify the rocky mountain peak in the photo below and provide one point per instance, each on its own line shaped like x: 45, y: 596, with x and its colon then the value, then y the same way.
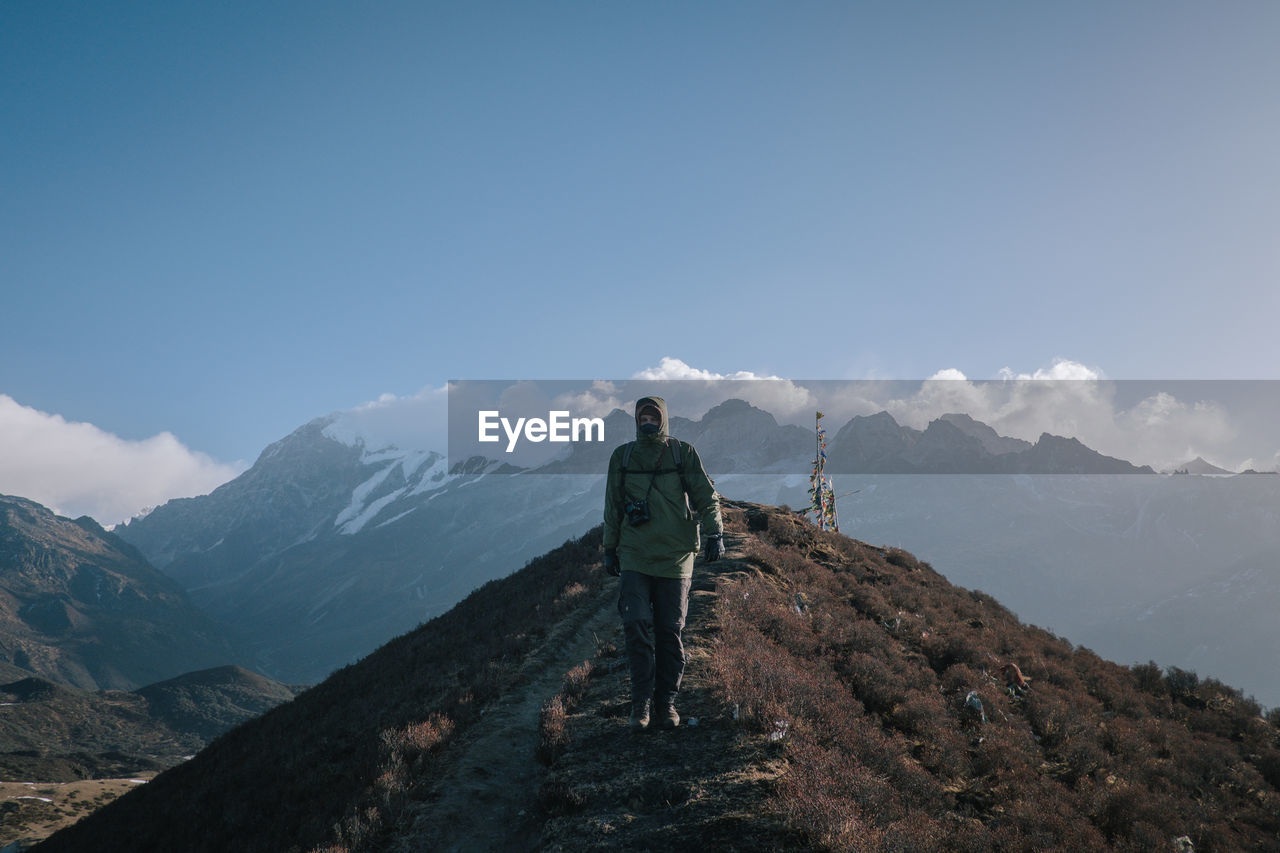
x: 992, y: 442
x: 80, y: 606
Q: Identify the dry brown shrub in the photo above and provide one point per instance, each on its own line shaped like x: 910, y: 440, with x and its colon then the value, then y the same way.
x: 391, y: 781
x: 945, y: 650
x: 918, y: 713
x: 421, y: 737
x: 826, y: 794
x: 959, y: 679
x: 571, y: 591
x: 872, y: 681
x: 1149, y: 678
x: 869, y: 601
x: 1009, y: 751
x: 914, y: 833
x: 553, y: 736
x: 575, y: 683
x: 1040, y: 819
x: 902, y: 559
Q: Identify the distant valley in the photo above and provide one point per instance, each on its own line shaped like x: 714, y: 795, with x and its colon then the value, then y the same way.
x: 82, y: 607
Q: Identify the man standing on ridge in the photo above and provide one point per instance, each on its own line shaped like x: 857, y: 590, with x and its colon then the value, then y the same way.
x: 656, y: 493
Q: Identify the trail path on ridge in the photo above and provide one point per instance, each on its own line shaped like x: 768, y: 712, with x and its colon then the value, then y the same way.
x: 486, y: 799
x: 611, y: 790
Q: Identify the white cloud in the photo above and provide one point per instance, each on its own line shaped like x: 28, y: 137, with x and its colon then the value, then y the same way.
x: 1076, y: 400
x: 78, y: 469
x: 1174, y: 432
x: 415, y: 422
x: 597, y: 401
x: 698, y: 390
x: 674, y: 368
x: 1062, y: 368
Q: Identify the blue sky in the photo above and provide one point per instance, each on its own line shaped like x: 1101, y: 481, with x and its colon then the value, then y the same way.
x: 219, y: 221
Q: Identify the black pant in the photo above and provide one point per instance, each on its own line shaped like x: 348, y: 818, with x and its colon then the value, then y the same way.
x: 653, y: 613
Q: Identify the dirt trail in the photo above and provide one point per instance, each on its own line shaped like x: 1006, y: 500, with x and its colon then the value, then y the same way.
x: 705, y: 785
x: 611, y: 790
x: 485, y: 801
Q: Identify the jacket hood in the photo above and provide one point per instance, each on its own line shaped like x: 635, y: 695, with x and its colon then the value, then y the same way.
x: 661, y: 405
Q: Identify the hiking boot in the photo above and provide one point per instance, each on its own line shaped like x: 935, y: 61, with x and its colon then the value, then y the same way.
x: 668, y: 717
x: 639, y: 716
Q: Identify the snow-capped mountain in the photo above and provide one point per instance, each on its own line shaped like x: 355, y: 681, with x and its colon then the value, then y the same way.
x: 327, y: 546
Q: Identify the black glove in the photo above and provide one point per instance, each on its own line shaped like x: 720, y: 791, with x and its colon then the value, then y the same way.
x: 611, y: 562
x: 715, y: 548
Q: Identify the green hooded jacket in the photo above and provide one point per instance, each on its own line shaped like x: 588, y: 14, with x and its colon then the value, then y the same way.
x: 666, y: 545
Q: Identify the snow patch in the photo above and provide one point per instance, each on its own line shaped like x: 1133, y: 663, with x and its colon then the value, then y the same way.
x: 358, y: 496
x: 354, y: 525
x: 434, y: 477
x: 396, y: 518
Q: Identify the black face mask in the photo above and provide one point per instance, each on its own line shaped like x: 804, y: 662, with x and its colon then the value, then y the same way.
x: 649, y: 429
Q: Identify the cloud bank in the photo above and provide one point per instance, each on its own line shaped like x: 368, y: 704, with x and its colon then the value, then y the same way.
x: 415, y: 422
x: 1163, y: 424
x: 698, y: 390
x: 1161, y: 427
x: 1073, y: 400
x: 78, y: 469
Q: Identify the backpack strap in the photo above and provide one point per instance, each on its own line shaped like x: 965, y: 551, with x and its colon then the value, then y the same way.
x: 674, y: 445
x: 675, y: 457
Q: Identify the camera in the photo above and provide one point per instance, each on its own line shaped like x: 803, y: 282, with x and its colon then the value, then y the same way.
x: 637, y: 511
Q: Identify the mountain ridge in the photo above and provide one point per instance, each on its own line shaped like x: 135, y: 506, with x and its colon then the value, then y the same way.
x: 51, y: 732
x: 838, y: 695
x: 326, y: 547
x: 76, y: 749
x: 82, y: 606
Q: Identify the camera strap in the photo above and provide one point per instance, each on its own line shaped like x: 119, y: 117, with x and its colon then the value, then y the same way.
x: 672, y: 443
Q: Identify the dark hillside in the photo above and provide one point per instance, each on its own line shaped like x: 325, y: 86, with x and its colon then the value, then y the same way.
x: 53, y: 733
x: 210, y: 702
x: 333, y: 764
x: 65, y: 752
x: 839, y: 696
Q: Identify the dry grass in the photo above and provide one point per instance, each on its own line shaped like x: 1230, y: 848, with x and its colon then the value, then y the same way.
x: 860, y: 661
x: 33, y: 811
